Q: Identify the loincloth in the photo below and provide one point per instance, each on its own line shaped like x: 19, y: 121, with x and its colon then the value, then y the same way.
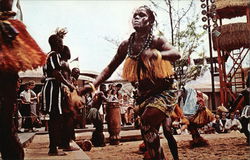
x: 164, y: 101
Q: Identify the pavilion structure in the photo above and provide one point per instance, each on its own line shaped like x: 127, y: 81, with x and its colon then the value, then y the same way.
x: 232, y: 42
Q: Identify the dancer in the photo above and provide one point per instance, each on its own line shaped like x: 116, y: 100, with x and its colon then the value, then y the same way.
x: 198, y: 115
x: 147, y: 63
x: 18, y: 52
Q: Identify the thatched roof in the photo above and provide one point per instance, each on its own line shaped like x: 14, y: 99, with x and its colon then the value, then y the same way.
x: 233, y: 36
x: 231, y: 8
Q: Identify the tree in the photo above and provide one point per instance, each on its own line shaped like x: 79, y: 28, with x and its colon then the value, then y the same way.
x: 186, y: 39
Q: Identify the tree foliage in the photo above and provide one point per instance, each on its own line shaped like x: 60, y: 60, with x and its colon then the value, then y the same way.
x: 186, y: 39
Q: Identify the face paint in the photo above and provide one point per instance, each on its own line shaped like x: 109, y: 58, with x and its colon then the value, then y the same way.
x: 140, y: 18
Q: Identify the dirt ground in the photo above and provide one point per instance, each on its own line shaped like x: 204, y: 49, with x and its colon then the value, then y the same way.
x: 222, y: 146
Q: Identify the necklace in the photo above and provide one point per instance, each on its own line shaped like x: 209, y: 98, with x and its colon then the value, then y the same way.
x: 146, y: 45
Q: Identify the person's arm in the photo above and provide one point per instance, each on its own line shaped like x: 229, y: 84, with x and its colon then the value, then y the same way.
x: 56, y: 65
x: 108, y: 70
x: 228, y: 125
x: 239, y: 126
x: 168, y: 52
x: 115, y: 62
x: 58, y: 75
x: 103, y: 97
x: 23, y: 100
x: 33, y: 95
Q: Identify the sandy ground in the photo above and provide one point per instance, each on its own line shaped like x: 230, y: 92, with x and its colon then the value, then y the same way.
x: 222, y: 146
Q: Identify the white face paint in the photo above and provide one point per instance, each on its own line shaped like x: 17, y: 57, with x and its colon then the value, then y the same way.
x: 140, y: 19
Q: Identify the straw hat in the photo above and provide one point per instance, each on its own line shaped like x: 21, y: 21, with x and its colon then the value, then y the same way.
x: 222, y: 109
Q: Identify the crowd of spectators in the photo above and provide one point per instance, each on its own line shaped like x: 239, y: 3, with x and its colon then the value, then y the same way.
x: 224, y: 122
x: 27, y: 113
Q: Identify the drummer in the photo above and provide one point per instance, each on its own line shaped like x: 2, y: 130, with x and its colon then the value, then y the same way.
x: 95, y: 117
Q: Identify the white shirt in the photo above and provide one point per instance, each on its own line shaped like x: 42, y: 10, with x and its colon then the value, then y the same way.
x: 26, y: 95
x: 233, y: 122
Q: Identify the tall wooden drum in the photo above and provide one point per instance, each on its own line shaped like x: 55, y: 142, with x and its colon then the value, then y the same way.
x: 113, y: 119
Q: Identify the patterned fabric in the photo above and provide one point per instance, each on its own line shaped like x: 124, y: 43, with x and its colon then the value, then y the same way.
x: 164, y: 101
x: 52, y: 92
x: 52, y: 97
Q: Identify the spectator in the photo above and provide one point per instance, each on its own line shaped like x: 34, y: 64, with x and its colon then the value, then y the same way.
x: 233, y: 124
x: 33, y: 105
x: 123, y: 108
x: 113, y: 94
x: 237, y: 114
x: 118, y: 87
x: 34, y: 97
x: 223, y: 121
x: 129, y: 110
x: 221, y: 109
x: 26, y: 109
x: 217, y: 124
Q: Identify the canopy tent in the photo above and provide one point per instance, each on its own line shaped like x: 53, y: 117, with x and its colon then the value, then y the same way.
x: 204, y: 84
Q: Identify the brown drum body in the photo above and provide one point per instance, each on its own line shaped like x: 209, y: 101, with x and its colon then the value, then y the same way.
x: 113, y: 119
x: 86, y: 145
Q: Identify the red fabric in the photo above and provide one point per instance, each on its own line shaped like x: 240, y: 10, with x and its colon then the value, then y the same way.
x: 23, y: 54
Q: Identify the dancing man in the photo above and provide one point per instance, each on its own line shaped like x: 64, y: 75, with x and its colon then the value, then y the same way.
x: 147, y: 63
x: 18, y: 52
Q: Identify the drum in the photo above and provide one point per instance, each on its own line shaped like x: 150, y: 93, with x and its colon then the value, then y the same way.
x: 86, y: 145
x: 113, y: 119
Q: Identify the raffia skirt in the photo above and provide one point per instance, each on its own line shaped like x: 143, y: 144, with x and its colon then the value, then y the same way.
x: 23, y: 53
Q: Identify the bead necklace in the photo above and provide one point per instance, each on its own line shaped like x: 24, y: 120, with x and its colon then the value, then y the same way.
x: 146, y: 45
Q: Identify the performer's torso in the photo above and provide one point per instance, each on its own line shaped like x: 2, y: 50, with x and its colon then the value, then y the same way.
x: 53, y: 63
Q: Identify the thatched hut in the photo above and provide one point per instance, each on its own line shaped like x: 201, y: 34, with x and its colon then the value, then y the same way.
x: 233, y: 36
x: 231, y: 8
